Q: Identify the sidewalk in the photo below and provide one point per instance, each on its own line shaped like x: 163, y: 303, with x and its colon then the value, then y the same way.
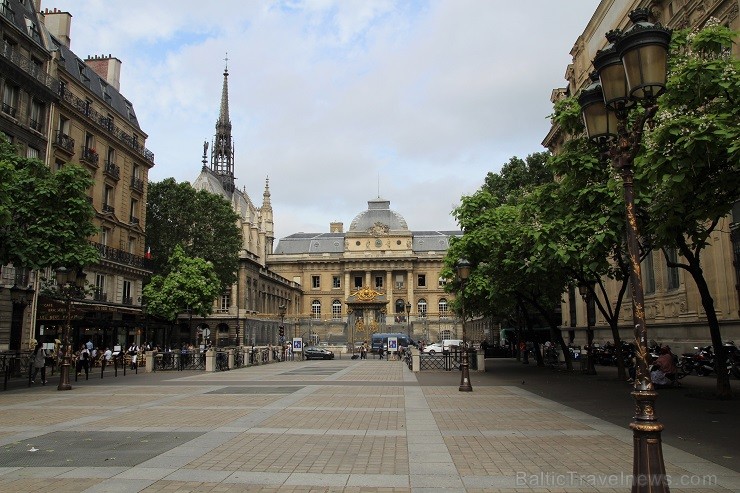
x: 342, y: 425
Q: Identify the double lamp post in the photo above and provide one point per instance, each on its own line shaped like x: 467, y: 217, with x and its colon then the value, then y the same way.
x: 630, y: 72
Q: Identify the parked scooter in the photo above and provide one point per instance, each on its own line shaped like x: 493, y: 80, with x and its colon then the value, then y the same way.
x: 701, y: 361
x: 733, y: 359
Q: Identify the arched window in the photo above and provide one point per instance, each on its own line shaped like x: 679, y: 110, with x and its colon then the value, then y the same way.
x: 400, y: 306
x: 316, y: 310
x: 422, y: 308
x: 443, y: 308
x: 336, y: 309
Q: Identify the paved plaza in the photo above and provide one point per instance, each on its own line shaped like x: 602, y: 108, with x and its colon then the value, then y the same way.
x: 342, y: 425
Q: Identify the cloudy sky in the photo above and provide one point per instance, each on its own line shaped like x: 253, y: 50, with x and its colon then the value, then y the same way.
x: 339, y: 101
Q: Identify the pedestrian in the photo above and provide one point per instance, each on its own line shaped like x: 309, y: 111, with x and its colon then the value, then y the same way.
x: 39, y: 363
x: 107, y: 355
x: 183, y: 355
x: 380, y: 352
x: 83, y: 361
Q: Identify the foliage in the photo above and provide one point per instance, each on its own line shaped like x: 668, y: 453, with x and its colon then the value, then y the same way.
x: 203, y: 224
x: 45, y: 217
x: 191, y: 283
x: 517, y: 176
x: 692, y: 155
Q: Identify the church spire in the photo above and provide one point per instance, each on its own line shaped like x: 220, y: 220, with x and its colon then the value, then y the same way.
x: 222, y: 152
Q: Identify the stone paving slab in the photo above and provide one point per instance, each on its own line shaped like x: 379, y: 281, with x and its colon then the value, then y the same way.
x: 341, y: 425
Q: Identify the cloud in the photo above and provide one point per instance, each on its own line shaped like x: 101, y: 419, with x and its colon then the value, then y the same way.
x: 339, y: 101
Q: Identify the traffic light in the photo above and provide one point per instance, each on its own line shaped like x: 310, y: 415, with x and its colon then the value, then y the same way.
x: 281, y: 331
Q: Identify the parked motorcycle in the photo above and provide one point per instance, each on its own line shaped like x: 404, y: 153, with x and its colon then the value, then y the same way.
x: 733, y: 359
x: 701, y: 362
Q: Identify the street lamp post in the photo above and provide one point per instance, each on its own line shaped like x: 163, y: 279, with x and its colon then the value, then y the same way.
x: 408, y: 319
x: 70, y: 282
x: 586, y: 291
x: 632, y: 70
x: 281, y: 310
x: 463, y: 272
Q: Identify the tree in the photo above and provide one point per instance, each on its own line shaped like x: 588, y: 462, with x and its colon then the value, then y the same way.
x: 501, y: 223
x: 692, y: 159
x: 45, y: 217
x: 203, y: 224
x: 190, y: 283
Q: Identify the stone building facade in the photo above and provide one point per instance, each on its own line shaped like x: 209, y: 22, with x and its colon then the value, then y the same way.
x: 672, y: 303
x: 60, y: 108
x: 378, y: 276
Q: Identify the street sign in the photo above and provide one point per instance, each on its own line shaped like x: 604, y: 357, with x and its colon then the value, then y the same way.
x: 392, y: 344
x: 206, y: 332
x: 297, y: 345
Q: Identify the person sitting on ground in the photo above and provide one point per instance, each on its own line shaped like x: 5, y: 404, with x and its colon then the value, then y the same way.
x: 664, y: 369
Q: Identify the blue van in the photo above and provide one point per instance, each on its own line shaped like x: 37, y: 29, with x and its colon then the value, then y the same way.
x: 380, y: 341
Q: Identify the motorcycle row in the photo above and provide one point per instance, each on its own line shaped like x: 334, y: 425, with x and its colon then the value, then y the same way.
x: 699, y: 362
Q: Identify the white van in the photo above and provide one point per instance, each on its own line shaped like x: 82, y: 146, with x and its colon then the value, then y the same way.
x: 451, y: 344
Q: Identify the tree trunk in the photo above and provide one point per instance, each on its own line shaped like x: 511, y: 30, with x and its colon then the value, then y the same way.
x: 720, y: 353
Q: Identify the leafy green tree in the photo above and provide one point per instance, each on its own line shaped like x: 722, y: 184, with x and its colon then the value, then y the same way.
x: 203, y: 224
x: 692, y: 159
x: 45, y: 217
x: 190, y: 283
x: 518, y: 176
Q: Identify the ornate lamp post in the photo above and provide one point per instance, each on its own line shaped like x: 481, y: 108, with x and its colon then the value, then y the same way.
x: 631, y: 71
x: 586, y: 292
x: 408, y: 318
x: 463, y: 272
x: 70, y: 283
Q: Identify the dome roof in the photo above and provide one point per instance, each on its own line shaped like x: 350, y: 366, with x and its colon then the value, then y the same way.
x: 378, y: 218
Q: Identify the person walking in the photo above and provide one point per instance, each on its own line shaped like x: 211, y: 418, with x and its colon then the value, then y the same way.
x: 83, y: 361
x: 39, y: 363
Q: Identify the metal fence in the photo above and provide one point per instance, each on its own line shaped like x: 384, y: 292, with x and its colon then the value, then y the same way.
x: 447, y: 361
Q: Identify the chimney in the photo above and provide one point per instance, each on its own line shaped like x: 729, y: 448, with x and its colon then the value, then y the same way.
x: 108, y: 67
x: 58, y: 23
x: 336, y: 227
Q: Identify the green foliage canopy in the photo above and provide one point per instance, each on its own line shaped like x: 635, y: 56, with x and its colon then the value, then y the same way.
x: 191, y: 283
x: 45, y: 217
x: 203, y: 224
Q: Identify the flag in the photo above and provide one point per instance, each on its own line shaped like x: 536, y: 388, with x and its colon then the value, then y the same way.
x: 148, y: 254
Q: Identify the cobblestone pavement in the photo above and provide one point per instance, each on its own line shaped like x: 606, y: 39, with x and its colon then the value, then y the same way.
x: 352, y: 426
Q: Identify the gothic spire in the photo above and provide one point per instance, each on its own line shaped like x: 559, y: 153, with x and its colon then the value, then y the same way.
x: 222, y: 152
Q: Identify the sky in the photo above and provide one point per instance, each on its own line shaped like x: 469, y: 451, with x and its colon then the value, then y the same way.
x: 338, y: 102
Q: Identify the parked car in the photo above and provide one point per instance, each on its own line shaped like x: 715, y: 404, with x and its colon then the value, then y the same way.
x: 433, y: 348
x: 315, y: 352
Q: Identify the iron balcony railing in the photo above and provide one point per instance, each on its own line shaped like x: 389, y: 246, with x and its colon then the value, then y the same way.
x: 137, y: 184
x: 106, y: 123
x: 112, y: 170
x: 10, y: 53
x: 64, y: 141
x: 90, y: 155
x: 119, y: 256
x: 109, y: 209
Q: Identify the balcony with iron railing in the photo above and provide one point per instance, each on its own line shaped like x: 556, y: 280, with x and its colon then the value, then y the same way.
x: 27, y: 66
x: 134, y: 220
x: 99, y: 295
x: 127, y: 301
x: 109, y: 209
x: 6, y: 11
x: 9, y: 110
x: 106, y: 124
x: 111, y: 170
x: 118, y: 256
x: 64, y: 142
x: 137, y: 184
x: 36, y: 125
x: 90, y: 156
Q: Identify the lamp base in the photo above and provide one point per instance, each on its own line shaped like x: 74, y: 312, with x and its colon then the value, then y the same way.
x: 465, y: 385
x: 64, y: 376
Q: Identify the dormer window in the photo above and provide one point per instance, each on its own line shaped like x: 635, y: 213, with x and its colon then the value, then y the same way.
x: 33, y: 30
